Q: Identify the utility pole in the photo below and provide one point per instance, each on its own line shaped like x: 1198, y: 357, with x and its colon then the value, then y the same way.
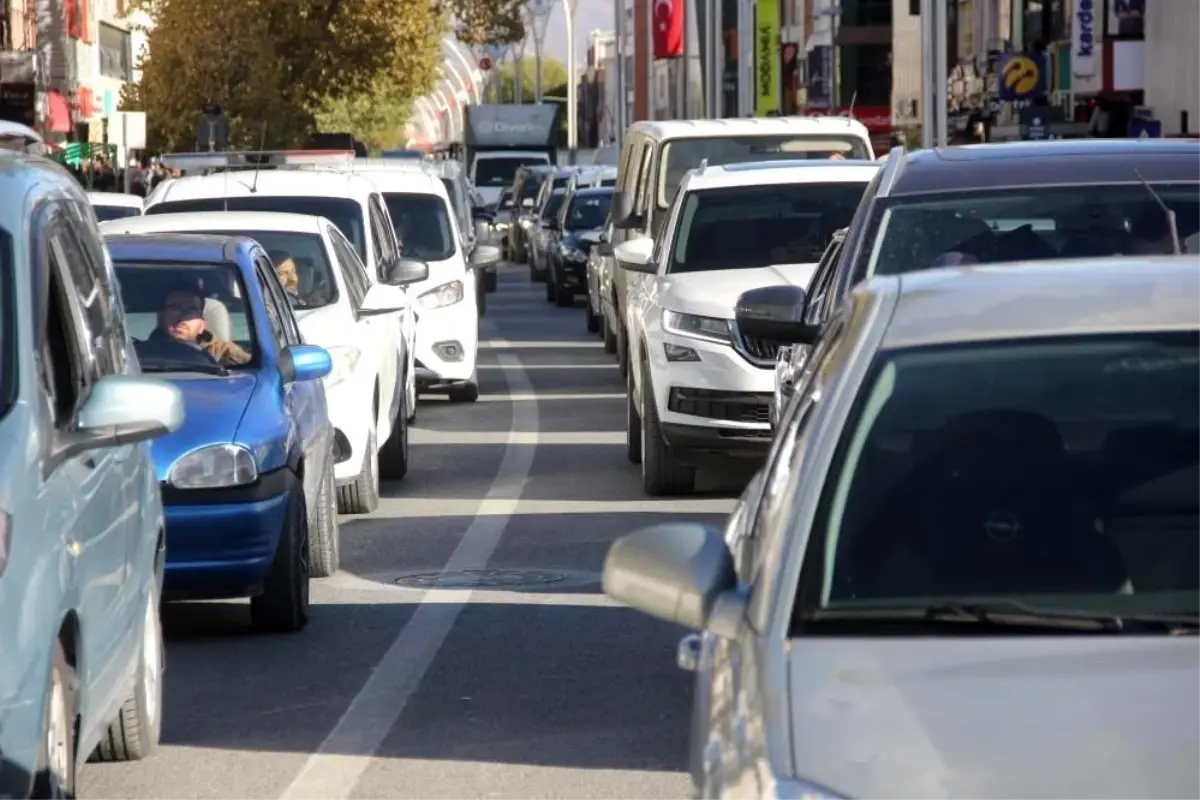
x: 519, y: 71
x: 572, y: 90
x: 537, y: 13
x: 619, y: 113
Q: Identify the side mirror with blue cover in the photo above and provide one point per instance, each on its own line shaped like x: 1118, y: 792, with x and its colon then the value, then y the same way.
x: 304, y: 362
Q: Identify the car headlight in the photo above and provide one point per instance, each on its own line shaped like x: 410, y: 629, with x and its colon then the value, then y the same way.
x: 445, y: 295
x: 710, y: 329
x: 572, y: 253
x: 214, y: 467
x: 345, y: 359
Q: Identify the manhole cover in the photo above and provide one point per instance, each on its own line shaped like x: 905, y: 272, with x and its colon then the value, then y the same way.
x: 480, y: 579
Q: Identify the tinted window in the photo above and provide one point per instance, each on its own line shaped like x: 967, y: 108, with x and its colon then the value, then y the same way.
x: 553, y: 204
x: 106, y: 213
x: 354, y: 274
x: 300, y: 263
x: 346, y: 214
x: 685, y: 154
x: 1056, y: 472
x: 990, y: 226
x: 501, y: 171
x: 588, y: 211
x: 422, y: 224
x: 756, y: 226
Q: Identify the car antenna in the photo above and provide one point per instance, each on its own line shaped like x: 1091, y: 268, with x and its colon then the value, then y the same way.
x: 1176, y: 248
x: 850, y: 109
x: 262, y: 142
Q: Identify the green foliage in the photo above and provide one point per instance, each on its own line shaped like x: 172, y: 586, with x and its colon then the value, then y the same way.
x: 484, y: 22
x: 554, y: 79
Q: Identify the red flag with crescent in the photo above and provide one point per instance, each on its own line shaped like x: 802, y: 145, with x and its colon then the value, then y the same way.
x: 668, y: 28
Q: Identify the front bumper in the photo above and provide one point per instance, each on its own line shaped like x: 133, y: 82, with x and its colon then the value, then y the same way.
x: 350, y: 412
x: 571, y: 274
x: 221, y: 542
x: 447, y: 342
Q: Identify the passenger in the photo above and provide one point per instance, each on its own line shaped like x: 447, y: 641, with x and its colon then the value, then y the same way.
x: 181, y: 320
x: 289, y: 275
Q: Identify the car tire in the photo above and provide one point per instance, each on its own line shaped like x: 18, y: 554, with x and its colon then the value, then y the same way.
x: 324, y: 533
x: 533, y: 273
x: 362, y: 496
x: 563, y: 297
x: 481, y: 298
x: 466, y: 392
x: 283, y: 605
x: 410, y: 395
x: 633, y: 425
x: 135, y: 733
x: 606, y: 333
x: 550, y: 292
x: 55, y: 772
x: 393, y: 456
x: 662, y: 473
x: 491, y: 281
x: 622, y: 353
x: 591, y: 320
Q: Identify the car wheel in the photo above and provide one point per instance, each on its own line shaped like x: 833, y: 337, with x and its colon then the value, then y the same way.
x: 622, y: 352
x: 362, y: 496
x: 323, y: 531
x: 606, y: 333
x: 466, y: 392
x: 134, y: 734
x: 55, y: 775
x: 633, y: 425
x: 550, y: 292
x: 393, y: 456
x: 563, y: 297
x: 283, y: 605
x: 481, y: 297
x: 592, y: 321
x: 410, y: 394
x: 491, y: 281
x: 662, y: 472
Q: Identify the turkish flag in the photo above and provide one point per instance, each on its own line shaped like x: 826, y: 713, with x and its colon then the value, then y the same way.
x: 668, y: 28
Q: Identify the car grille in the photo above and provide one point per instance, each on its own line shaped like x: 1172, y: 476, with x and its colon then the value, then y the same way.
x: 759, y: 352
x: 728, y: 406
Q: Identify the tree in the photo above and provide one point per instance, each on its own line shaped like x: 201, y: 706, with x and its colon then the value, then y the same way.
x: 484, y: 22
x: 554, y: 74
x: 277, y: 62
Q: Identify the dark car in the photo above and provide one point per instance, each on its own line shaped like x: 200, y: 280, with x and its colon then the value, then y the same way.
x: 545, y: 209
x: 988, y: 204
x: 526, y: 184
x: 571, y: 236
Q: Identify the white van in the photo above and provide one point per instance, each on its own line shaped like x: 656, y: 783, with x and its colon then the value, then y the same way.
x: 492, y: 171
x: 656, y: 155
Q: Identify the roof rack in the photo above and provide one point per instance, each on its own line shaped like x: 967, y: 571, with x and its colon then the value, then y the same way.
x: 249, y: 159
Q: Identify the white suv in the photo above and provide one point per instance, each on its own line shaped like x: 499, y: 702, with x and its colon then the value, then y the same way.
x: 696, y: 389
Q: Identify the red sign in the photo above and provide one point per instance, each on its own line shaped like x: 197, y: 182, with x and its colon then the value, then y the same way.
x: 485, y: 63
x: 668, y: 28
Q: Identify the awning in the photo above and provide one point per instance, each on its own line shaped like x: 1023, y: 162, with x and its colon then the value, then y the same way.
x: 58, y: 112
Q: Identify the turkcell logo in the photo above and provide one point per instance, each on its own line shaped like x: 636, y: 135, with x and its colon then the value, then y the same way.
x: 1085, y: 18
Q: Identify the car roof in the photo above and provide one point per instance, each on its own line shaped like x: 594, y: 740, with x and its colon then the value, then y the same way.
x: 1041, y: 299
x: 288, y: 182
x: 179, y: 247
x: 216, y: 221
x: 409, y: 181
x: 589, y: 191
x: 753, y: 126
x: 781, y: 172
x: 1050, y: 163
x: 115, y: 199
x: 21, y: 174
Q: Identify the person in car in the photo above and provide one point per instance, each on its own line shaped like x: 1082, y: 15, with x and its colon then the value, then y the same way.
x: 181, y: 320
x: 288, y: 274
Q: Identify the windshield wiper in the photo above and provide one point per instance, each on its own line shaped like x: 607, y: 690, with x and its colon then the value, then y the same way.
x: 185, y: 366
x: 1013, y: 613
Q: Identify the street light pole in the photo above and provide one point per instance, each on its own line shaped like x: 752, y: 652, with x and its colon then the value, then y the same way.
x: 618, y: 113
x: 519, y: 72
x: 572, y: 90
x: 538, y: 14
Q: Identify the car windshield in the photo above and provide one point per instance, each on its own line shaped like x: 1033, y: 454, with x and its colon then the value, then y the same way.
x: 345, y: 213
x: 1053, y: 472
x: 186, y: 317
x: 553, y: 204
x: 106, y: 213
x: 991, y: 226
x: 500, y: 170
x: 300, y: 262
x: 775, y: 224
x: 685, y: 154
x: 8, y: 362
x: 422, y: 225
x: 588, y: 211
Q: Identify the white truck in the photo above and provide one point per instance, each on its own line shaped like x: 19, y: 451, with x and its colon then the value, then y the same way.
x: 500, y: 138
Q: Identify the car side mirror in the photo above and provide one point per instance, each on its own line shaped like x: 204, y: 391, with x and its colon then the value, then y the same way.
x: 304, y: 362
x: 125, y: 409
x: 636, y: 255
x: 527, y: 202
x: 407, y: 270
x: 480, y: 213
x: 623, y: 216
x: 486, y: 255
x: 674, y: 572
x: 775, y: 313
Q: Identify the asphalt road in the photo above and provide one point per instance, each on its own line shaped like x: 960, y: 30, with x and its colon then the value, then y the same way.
x: 517, y: 678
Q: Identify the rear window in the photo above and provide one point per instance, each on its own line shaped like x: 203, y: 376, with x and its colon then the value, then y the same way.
x: 422, y: 225
x: 346, y: 214
x: 588, y: 211
x: 553, y: 204
x: 106, y: 213
x: 501, y: 170
x: 300, y: 263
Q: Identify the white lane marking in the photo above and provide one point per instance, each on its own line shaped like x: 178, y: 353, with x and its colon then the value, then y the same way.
x: 413, y: 507
x: 537, y: 398
x: 422, y: 436
x: 546, y: 366
x: 332, y: 772
x: 536, y: 344
x: 349, y: 588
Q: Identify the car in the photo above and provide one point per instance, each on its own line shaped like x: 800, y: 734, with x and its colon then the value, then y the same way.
x: 81, y: 520
x: 115, y: 205
x: 338, y: 308
x: 447, y: 339
x: 572, y: 234
x: 247, y: 481
x: 545, y: 207
x: 699, y: 390
x: 975, y: 549
x: 591, y: 176
x: 992, y: 203
x: 469, y: 208
x: 294, y: 182
x: 525, y: 186
x: 492, y: 170
x: 503, y: 217
x: 656, y: 155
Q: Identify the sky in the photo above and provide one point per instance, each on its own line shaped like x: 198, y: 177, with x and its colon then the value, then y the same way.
x: 589, y: 15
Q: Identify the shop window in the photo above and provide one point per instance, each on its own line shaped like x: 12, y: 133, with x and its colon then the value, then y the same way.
x: 865, y: 75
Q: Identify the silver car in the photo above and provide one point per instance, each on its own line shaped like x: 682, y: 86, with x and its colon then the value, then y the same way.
x: 969, y: 568
x: 81, y: 519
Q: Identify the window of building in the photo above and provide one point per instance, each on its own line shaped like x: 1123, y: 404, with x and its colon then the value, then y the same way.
x: 865, y: 75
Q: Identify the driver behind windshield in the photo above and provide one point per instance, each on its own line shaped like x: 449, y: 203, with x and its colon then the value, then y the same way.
x: 181, y: 319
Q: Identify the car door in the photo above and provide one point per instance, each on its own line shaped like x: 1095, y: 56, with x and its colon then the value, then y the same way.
x: 393, y: 248
x: 92, y: 483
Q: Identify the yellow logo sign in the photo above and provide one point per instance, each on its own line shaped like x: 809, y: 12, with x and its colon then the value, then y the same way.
x: 1021, y: 75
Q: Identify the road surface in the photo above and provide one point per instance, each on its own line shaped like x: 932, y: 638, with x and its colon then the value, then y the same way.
x: 465, y: 650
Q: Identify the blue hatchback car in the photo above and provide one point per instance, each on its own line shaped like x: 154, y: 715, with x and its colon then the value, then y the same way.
x: 247, y: 481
